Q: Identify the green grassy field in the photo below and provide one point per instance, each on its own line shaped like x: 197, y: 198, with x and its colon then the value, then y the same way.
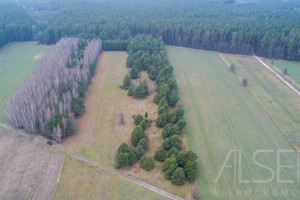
x: 222, y: 116
x: 17, y: 61
x: 293, y: 68
x: 280, y: 103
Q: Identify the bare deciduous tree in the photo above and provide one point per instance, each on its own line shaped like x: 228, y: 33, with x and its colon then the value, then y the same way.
x: 51, y: 88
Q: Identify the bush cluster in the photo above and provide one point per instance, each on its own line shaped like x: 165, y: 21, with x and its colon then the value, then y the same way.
x: 180, y: 166
x: 126, y: 156
x: 137, y: 134
x: 148, y: 53
x: 139, y: 91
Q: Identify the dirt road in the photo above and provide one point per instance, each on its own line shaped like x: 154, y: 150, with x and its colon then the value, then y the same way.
x: 278, y: 76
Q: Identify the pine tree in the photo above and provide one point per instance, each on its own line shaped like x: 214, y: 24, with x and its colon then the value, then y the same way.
x: 168, y: 131
x: 173, y: 151
x: 132, y: 157
x: 178, y: 176
x: 143, y: 143
x: 139, y: 151
x: 138, y: 119
x: 160, y: 155
x: 169, y: 166
x: 143, y: 124
x: 123, y: 148
x: 180, y: 126
x: 126, y: 82
x: 190, y: 169
x: 173, y: 141
x: 121, y: 160
x: 162, y: 120
x: 147, y: 162
x: 137, y: 134
x: 134, y: 72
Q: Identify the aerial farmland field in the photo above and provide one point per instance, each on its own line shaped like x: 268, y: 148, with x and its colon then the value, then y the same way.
x: 142, y: 100
x: 222, y: 116
x: 280, y: 103
x: 17, y: 61
x: 29, y: 170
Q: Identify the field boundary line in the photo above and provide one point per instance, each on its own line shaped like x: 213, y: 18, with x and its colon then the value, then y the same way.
x: 278, y: 76
x: 98, y: 165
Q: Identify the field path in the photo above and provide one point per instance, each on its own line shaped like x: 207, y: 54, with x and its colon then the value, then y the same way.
x: 278, y: 76
x: 79, y: 157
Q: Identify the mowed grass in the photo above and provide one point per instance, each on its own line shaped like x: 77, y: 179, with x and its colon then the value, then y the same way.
x: 280, y: 103
x: 293, y: 68
x: 17, y: 61
x: 222, y: 116
x: 99, y: 132
x: 80, y: 180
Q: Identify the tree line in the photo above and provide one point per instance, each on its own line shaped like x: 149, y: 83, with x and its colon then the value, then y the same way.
x: 52, y: 97
x: 15, y: 24
x: 268, y: 29
x: 147, y: 53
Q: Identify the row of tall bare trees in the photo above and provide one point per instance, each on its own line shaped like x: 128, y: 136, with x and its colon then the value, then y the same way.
x: 44, y: 103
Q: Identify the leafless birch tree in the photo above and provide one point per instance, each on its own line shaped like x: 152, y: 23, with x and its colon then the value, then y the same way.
x: 50, y: 90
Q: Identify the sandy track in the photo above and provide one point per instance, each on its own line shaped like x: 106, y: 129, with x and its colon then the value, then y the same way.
x: 278, y: 76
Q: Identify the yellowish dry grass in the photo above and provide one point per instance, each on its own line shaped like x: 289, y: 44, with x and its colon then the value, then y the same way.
x: 100, y: 132
x: 80, y: 180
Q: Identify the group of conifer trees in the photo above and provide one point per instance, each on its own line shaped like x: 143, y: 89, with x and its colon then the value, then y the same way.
x: 15, y: 24
x: 269, y: 29
x: 53, y: 95
x: 149, y: 54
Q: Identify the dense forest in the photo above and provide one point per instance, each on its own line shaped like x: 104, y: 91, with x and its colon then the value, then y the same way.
x: 53, y: 95
x: 269, y: 28
x: 15, y: 24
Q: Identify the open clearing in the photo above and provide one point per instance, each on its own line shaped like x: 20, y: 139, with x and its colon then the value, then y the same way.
x: 17, y: 61
x: 28, y: 170
x: 280, y: 103
x: 99, y: 132
x: 222, y: 115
